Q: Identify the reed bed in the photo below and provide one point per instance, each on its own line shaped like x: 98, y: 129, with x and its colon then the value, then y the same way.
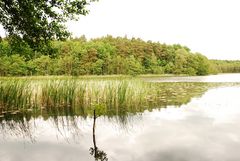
x: 108, y: 96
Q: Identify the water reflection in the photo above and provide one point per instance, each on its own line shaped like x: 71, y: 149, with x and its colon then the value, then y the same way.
x: 204, y: 129
x: 66, y: 118
x: 17, y: 125
x: 220, y: 78
x: 95, y: 151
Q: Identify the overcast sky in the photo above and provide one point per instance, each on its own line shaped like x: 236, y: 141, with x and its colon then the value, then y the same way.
x: 211, y: 27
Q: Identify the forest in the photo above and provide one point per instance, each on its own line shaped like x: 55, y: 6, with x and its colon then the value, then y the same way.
x: 107, y: 56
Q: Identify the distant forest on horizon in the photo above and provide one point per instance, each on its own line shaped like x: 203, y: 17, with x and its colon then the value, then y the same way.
x: 106, y: 56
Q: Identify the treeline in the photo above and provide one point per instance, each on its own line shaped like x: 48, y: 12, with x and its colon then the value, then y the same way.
x: 227, y: 66
x: 103, y: 56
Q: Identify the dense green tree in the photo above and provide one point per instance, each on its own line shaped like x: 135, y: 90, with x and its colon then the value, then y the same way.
x: 200, y: 64
x: 4, y: 48
x: 97, y: 67
x: 118, y: 65
x: 36, y: 22
x: 225, y: 66
x: 4, y: 65
x: 180, y: 61
x: 108, y: 55
x: 17, y: 65
x: 134, y: 67
x: 65, y: 65
x: 43, y: 65
x: 13, y: 65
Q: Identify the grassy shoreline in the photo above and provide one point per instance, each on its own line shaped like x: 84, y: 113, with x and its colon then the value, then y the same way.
x: 117, y: 76
x: 80, y: 95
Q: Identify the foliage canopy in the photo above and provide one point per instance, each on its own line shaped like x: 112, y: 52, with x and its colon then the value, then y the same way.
x: 107, y: 56
x: 37, y: 22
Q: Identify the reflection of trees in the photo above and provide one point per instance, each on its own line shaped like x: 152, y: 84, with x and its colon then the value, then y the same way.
x: 97, y: 153
x: 17, y: 125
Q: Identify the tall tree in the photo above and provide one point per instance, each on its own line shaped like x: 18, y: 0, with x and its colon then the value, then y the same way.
x: 37, y: 22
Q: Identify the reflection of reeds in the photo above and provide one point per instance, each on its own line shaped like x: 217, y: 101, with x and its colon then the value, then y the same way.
x: 22, y: 99
x: 17, y: 125
x: 68, y: 96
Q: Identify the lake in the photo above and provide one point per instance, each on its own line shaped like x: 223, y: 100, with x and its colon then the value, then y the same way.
x: 187, y: 119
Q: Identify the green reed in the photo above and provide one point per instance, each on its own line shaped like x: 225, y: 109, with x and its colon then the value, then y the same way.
x: 15, y: 95
x: 109, y: 96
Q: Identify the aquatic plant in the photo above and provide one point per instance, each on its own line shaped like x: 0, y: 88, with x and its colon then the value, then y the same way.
x: 73, y: 95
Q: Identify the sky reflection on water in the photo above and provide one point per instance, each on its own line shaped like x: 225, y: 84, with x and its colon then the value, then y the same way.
x: 205, y: 129
x: 220, y: 78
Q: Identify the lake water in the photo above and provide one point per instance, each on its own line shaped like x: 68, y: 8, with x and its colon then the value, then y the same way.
x: 211, y: 78
x: 203, y: 128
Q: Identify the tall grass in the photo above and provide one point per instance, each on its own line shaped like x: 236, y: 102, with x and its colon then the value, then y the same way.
x: 108, y: 96
x: 15, y: 95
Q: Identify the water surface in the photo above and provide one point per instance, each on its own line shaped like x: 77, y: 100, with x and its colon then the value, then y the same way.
x: 204, y: 127
x: 224, y: 78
